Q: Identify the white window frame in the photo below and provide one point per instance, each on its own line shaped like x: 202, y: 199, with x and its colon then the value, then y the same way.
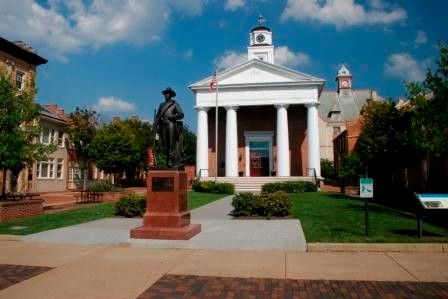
x: 59, y: 172
x: 60, y: 136
x: 22, y: 79
x: 49, y: 170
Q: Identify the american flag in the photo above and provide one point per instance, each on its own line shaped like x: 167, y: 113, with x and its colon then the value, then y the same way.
x: 212, y: 86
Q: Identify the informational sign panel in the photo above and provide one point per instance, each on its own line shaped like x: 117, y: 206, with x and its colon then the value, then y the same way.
x: 366, y: 188
x: 433, y: 201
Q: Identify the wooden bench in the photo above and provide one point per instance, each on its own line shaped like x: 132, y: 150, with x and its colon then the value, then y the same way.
x: 89, y: 196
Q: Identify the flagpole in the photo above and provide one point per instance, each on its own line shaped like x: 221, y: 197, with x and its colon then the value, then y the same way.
x: 216, y: 127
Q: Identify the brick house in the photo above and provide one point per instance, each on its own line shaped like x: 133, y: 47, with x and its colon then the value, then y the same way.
x: 19, y: 61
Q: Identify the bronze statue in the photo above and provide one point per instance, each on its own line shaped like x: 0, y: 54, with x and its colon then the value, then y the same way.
x: 170, y: 129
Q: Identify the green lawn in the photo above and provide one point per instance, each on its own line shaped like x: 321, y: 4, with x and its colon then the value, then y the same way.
x: 40, y: 223
x: 333, y: 217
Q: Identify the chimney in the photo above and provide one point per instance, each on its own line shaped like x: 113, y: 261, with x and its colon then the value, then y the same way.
x: 134, y: 118
x: 115, y: 119
x: 52, y: 107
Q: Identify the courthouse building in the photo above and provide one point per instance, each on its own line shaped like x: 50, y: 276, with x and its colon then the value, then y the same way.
x: 268, y: 117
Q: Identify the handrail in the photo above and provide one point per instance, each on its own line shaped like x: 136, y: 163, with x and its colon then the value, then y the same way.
x: 198, y: 177
x: 313, y: 175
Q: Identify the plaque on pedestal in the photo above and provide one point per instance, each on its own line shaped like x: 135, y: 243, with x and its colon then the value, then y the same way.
x: 167, y: 215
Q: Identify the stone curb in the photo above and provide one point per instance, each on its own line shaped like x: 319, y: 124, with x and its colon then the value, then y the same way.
x: 377, y: 247
x: 10, y: 238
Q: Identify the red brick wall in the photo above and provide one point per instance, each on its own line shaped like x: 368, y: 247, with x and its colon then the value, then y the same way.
x: 262, y: 118
x: 19, y: 209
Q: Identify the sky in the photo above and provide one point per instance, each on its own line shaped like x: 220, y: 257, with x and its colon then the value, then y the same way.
x: 116, y: 56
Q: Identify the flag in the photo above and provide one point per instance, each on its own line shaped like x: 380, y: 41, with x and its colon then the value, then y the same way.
x: 212, y: 86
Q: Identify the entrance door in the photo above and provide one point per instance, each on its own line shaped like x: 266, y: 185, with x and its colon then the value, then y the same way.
x: 259, y: 158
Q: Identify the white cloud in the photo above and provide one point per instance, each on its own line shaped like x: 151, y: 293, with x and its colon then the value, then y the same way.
x: 234, y: 4
x: 405, y: 67
x: 229, y: 59
x: 421, y: 38
x: 284, y: 56
x: 343, y: 13
x: 111, y: 104
x: 70, y: 26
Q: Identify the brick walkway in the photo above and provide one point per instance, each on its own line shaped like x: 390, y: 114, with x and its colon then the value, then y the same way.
x: 12, y: 274
x: 189, y: 286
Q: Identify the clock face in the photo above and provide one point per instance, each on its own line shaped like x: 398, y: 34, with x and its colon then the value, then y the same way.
x: 344, y: 83
x: 260, y: 38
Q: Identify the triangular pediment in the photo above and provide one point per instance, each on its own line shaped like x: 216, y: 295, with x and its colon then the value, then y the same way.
x: 257, y: 72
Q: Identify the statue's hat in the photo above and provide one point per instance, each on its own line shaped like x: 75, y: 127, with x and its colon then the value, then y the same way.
x: 168, y: 90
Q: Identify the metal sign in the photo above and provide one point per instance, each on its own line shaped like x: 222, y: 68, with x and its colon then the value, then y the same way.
x: 366, y: 188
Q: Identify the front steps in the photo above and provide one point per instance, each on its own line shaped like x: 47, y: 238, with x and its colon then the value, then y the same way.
x: 253, y: 184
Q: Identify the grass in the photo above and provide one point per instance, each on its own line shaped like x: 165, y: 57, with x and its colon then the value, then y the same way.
x: 31, y: 225
x: 197, y: 199
x: 333, y: 217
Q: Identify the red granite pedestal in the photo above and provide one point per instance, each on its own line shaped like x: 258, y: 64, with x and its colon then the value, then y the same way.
x: 167, y: 215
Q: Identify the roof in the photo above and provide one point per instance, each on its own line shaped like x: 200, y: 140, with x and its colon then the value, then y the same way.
x: 45, y: 112
x: 273, y: 75
x: 25, y: 55
x: 348, y: 103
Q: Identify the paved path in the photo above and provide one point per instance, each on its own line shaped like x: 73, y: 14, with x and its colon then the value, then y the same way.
x: 87, y: 271
x: 219, y: 232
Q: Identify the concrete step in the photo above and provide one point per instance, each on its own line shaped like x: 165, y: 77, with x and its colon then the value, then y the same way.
x: 253, y: 184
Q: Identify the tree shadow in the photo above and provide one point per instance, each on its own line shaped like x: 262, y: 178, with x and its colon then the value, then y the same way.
x: 414, y: 233
x: 337, y: 195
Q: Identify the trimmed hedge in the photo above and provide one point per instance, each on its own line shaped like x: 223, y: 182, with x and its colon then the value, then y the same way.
x: 213, y: 187
x: 103, y: 186
x: 275, y: 204
x: 289, y: 187
x: 131, y: 205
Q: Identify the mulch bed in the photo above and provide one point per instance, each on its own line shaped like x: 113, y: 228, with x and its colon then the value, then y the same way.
x: 190, y: 286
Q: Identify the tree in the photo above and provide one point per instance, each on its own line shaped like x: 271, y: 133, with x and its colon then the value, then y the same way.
x: 120, y: 147
x: 81, y: 130
x: 384, y: 145
x: 19, y: 129
x: 189, y: 146
x: 429, y: 101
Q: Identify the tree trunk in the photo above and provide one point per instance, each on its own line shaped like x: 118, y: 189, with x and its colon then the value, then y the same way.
x: 4, y: 183
x: 84, y: 183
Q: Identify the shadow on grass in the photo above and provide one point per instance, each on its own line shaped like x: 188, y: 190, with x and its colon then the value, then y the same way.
x: 336, y: 195
x: 414, y: 233
x: 379, y: 210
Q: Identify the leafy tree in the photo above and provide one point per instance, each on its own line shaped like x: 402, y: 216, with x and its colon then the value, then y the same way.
x: 19, y: 130
x: 327, y: 168
x: 81, y: 130
x: 120, y: 147
x: 430, y: 106
x: 189, y: 146
x: 384, y: 145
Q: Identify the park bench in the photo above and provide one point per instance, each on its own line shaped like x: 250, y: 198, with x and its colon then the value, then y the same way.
x: 89, y: 196
x: 426, y: 202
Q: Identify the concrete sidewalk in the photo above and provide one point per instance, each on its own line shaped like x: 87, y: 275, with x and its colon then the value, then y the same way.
x: 121, y: 272
x: 219, y: 232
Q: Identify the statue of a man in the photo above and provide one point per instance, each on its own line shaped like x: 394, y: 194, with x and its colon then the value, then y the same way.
x: 170, y: 129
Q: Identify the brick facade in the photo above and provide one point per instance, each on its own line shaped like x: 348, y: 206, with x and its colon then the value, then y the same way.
x: 261, y: 118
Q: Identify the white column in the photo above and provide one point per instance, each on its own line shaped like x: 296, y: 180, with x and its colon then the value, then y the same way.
x: 283, y: 165
x: 231, y: 142
x: 313, y: 138
x: 202, y: 142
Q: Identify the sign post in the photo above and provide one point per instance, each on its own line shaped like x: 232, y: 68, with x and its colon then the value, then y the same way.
x: 366, y: 192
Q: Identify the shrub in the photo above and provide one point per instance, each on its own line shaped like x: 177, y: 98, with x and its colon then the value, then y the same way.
x: 131, y: 205
x: 242, y: 204
x: 213, y: 187
x: 103, y: 186
x: 289, y: 187
x: 266, y: 204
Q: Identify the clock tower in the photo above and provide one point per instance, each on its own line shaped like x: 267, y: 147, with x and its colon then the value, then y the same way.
x: 260, y: 43
x: 344, y: 79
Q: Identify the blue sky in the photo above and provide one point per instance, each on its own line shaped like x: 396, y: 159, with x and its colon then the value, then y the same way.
x: 116, y: 56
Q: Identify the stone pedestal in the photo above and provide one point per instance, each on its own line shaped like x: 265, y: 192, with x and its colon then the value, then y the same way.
x: 167, y: 215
